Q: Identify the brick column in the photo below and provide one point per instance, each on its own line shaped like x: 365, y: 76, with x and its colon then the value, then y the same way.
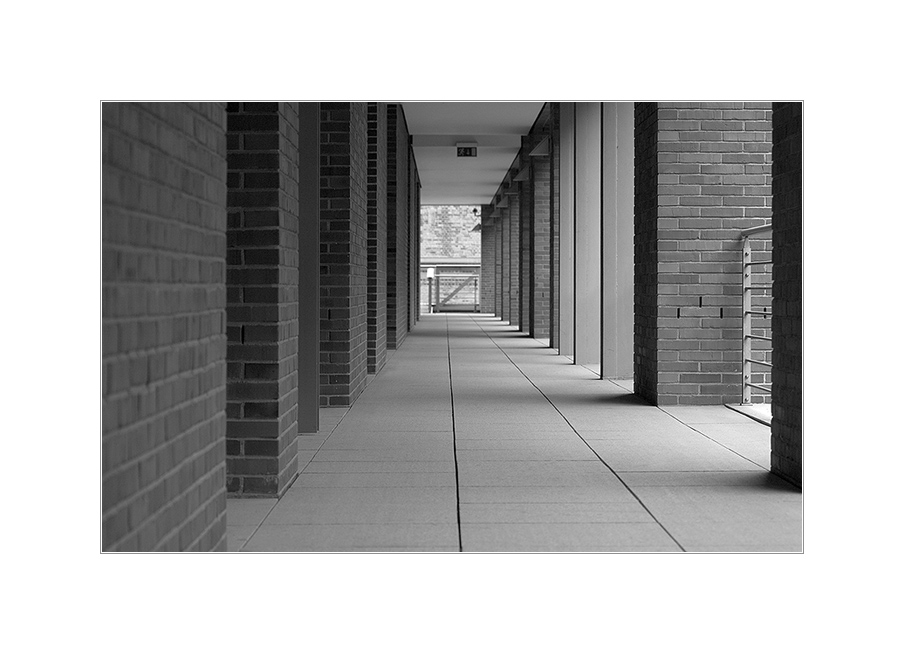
x: 507, y: 229
x: 262, y: 297
x: 343, y: 251
x: 646, y: 250
x: 540, y: 240
x: 398, y: 227
x: 487, y: 260
x: 163, y: 442
x: 554, y: 218
x: 376, y: 236
x: 702, y: 176
x: 522, y: 199
x: 499, y: 228
x: 414, y: 233
x: 787, y: 301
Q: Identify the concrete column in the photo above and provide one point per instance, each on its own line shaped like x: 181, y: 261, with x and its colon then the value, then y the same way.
x: 587, y: 313
x: 617, y: 348
x: 554, y: 219
x: 309, y: 267
x: 566, y: 230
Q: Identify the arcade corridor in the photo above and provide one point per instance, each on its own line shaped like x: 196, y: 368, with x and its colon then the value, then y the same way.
x: 270, y: 383
x: 476, y: 437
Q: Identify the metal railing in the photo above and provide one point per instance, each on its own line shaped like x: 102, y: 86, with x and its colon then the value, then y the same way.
x: 757, y: 316
x: 454, y: 292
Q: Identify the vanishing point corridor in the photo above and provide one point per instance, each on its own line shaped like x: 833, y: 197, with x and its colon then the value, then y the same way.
x: 476, y: 437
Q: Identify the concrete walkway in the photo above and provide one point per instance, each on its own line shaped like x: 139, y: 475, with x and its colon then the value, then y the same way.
x: 476, y: 438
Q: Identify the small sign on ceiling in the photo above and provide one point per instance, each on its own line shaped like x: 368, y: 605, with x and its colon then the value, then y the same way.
x: 466, y: 149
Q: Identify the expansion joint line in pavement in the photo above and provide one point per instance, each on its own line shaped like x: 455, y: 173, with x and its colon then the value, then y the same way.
x: 578, y: 434
x: 454, y: 443
x: 294, y: 481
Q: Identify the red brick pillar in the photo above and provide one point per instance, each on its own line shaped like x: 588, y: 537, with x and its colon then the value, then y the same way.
x: 540, y: 236
x: 262, y: 297
x: 414, y: 238
x: 163, y: 442
x: 499, y: 229
x: 507, y: 228
x: 376, y: 236
x: 397, y: 243
x: 702, y: 176
x: 787, y: 301
x: 343, y: 251
x: 487, y: 260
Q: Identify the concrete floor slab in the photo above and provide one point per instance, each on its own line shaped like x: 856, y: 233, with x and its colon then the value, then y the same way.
x: 377, y: 479
x: 351, y: 538
x: 381, y: 466
x: 593, y: 537
x: 663, y: 454
x: 552, y: 513
x: 599, y: 492
x: 468, y: 391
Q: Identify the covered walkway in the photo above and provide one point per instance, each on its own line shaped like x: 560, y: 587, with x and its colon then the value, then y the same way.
x: 475, y: 437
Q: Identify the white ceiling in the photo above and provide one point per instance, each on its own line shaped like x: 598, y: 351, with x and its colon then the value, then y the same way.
x: 436, y: 127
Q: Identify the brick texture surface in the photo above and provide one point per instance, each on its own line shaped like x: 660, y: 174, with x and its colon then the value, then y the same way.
x: 262, y: 297
x: 646, y: 250
x: 554, y: 266
x: 397, y: 243
x: 376, y: 235
x: 712, y: 178
x: 414, y: 240
x: 343, y: 252
x: 487, y: 260
x: 499, y: 261
x: 540, y: 240
x: 787, y: 320
x: 163, y: 440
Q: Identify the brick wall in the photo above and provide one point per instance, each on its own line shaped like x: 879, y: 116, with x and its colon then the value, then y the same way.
x: 163, y: 438
x: 262, y: 297
x: 712, y: 180
x: 376, y: 235
x: 487, y: 260
x: 787, y: 320
x: 343, y: 251
x: 446, y: 231
x: 397, y: 243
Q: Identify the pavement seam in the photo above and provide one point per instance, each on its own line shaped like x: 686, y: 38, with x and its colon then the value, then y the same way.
x: 454, y: 444
x: 627, y: 487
